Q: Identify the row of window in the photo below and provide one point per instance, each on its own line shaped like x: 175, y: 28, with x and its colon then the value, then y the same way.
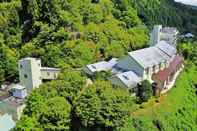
x: 155, y: 68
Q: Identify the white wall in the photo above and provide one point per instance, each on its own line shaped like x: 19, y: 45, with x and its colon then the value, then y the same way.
x: 128, y: 63
x: 49, y: 74
x: 29, y: 73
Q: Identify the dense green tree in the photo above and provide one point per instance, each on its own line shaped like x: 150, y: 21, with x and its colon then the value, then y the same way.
x: 46, y: 110
x: 2, y: 75
x: 72, y: 33
x: 103, y: 75
x: 166, y: 12
x: 30, y: 50
x: 145, y: 91
x: 56, y: 115
x: 53, y: 114
x: 189, y: 51
x: 8, y: 61
x: 71, y: 84
x: 27, y: 124
x: 102, y: 106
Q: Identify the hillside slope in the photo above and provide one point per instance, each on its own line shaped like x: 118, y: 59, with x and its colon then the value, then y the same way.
x: 168, y: 13
x: 72, y: 33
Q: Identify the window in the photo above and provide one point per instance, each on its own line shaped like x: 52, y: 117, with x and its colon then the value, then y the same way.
x: 93, y: 67
x: 55, y: 76
x: 154, y: 68
x: 48, y: 73
x: 21, y: 66
x: 131, y: 91
x: 160, y: 65
x: 126, y: 77
x: 25, y: 75
x: 147, y: 71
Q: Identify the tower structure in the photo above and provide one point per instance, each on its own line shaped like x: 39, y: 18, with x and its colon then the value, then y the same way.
x: 155, y: 35
x: 30, y: 73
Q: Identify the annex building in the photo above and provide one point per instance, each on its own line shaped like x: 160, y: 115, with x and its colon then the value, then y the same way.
x: 31, y: 76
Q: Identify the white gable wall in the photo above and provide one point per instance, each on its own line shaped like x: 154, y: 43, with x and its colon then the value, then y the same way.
x: 130, y: 64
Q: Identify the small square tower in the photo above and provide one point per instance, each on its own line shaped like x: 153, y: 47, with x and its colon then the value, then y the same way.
x: 155, y: 35
x: 30, y: 73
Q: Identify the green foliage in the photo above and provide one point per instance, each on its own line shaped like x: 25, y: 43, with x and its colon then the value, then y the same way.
x: 166, y: 12
x: 72, y: 33
x: 170, y: 113
x: 68, y: 33
x: 71, y: 85
x: 2, y: 75
x: 8, y: 62
x: 103, y: 75
x: 189, y: 51
x: 26, y: 124
x: 58, y: 105
x: 45, y: 111
x: 102, y: 106
x: 9, y: 14
x: 56, y: 115
x: 145, y: 91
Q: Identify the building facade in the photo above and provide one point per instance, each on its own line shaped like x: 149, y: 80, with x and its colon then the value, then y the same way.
x: 168, y: 34
x: 31, y: 73
x: 158, y: 64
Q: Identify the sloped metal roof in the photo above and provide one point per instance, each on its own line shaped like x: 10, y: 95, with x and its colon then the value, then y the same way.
x: 165, y: 47
x: 103, y: 65
x: 18, y: 87
x: 130, y: 79
x: 49, y: 69
x: 151, y: 56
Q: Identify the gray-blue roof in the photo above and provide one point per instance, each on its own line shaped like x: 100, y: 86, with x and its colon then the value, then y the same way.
x: 130, y: 79
x: 151, y: 56
x: 102, y: 66
x: 165, y: 47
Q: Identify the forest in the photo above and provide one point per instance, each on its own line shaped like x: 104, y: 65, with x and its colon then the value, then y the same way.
x: 69, y: 34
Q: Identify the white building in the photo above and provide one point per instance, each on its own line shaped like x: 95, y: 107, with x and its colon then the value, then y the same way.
x: 49, y: 73
x: 31, y: 73
x: 145, y: 62
x: 188, y: 35
x: 168, y: 34
x: 13, y: 106
x: 12, y: 100
x: 19, y: 91
x: 140, y: 65
x: 100, y: 66
x: 126, y: 79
